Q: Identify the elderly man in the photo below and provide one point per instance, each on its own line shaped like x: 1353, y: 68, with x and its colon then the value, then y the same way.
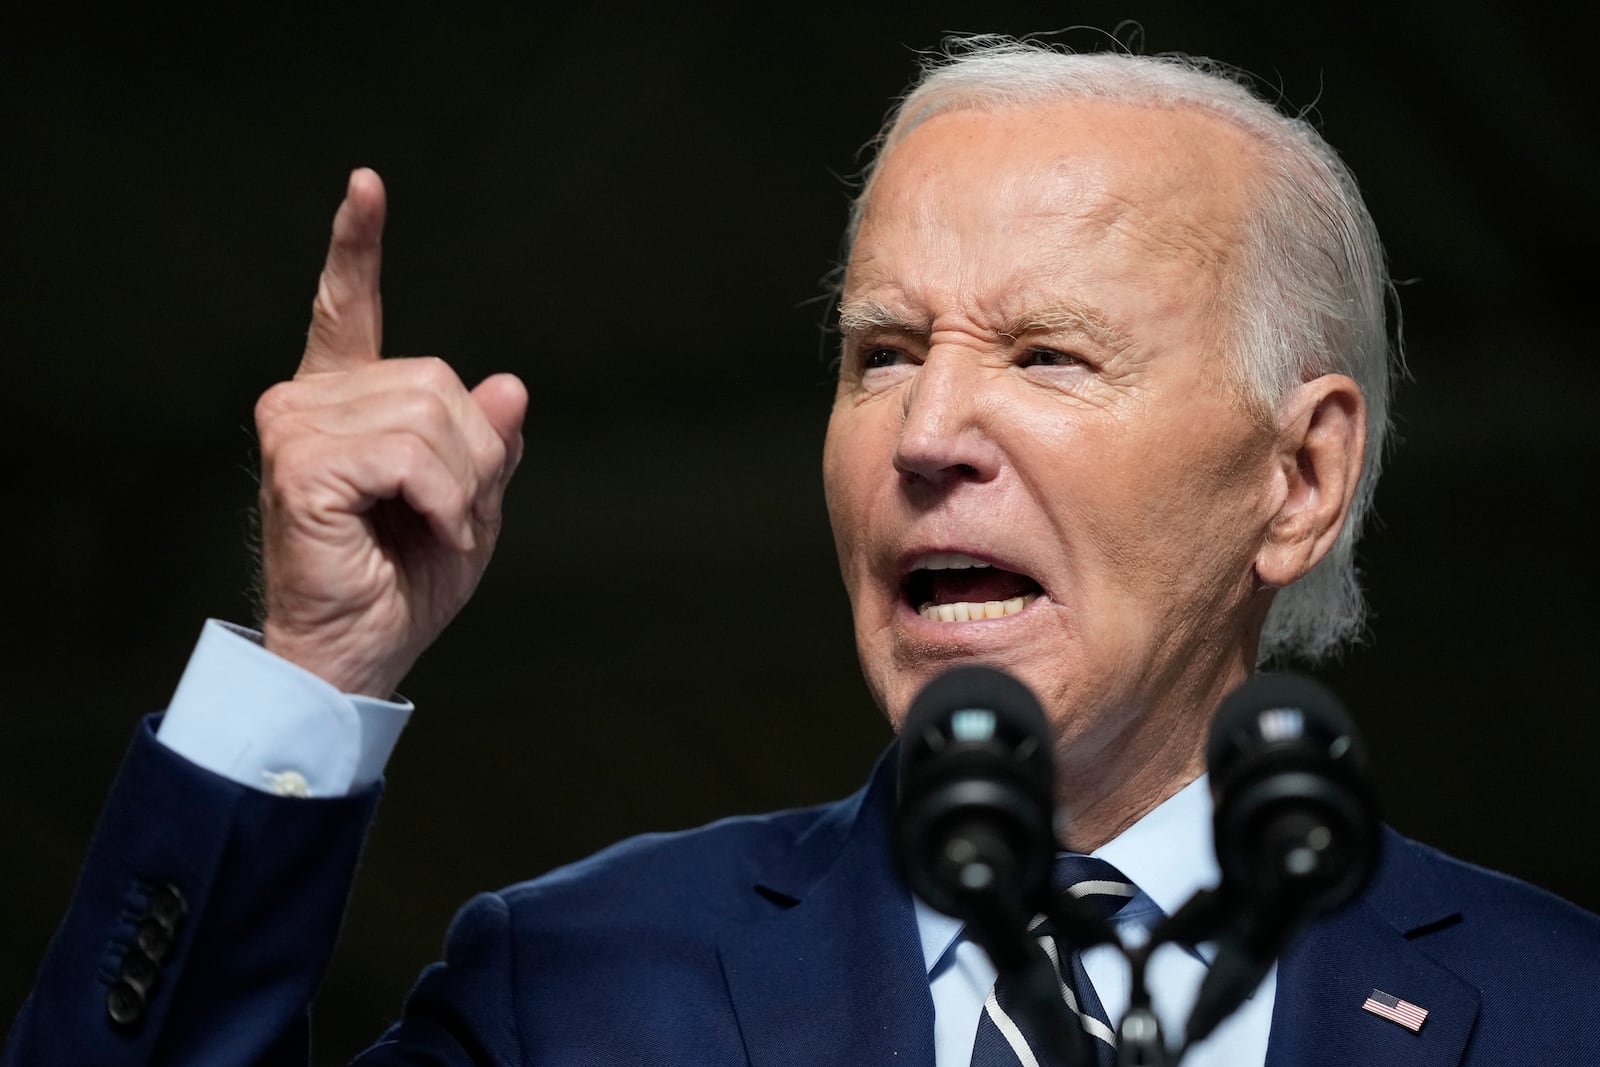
x: 1112, y: 390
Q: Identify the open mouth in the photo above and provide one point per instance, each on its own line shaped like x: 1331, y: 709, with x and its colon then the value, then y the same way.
x: 953, y: 587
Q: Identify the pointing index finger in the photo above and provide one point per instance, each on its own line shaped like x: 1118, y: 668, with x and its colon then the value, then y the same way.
x: 347, y: 314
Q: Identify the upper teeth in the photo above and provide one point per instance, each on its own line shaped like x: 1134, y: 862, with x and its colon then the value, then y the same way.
x: 949, y: 561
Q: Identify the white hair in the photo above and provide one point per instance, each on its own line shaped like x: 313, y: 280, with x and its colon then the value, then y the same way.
x: 1308, y: 299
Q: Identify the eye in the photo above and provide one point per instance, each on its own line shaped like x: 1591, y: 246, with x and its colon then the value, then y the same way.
x: 874, y: 357
x: 1038, y: 356
x: 877, y: 363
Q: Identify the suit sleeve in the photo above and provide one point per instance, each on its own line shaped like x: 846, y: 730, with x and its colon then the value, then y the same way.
x: 201, y: 925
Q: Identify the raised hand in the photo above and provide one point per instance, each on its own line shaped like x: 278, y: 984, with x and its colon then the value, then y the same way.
x: 381, y: 479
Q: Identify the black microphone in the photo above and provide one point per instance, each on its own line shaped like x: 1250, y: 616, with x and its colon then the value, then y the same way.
x: 975, y: 833
x: 975, y: 825
x: 1296, y: 828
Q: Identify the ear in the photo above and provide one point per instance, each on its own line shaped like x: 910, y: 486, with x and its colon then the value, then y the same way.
x: 1322, y: 438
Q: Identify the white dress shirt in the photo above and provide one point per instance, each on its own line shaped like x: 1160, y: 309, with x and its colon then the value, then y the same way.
x: 249, y: 715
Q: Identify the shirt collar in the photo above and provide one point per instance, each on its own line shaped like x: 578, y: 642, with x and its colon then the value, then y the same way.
x: 1168, y: 854
x: 939, y: 933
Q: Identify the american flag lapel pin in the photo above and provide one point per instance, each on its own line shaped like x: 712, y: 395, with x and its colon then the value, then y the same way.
x: 1395, y: 1010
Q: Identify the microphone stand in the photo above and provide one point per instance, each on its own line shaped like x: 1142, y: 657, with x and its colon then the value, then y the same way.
x: 1140, y: 1042
x: 999, y: 926
x: 1139, y: 1038
x: 1034, y: 996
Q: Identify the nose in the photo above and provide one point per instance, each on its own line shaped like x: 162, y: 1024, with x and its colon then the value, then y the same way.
x: 943, y: 435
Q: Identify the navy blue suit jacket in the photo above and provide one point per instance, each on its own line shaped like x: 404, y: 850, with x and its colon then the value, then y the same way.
x: 784, y: 939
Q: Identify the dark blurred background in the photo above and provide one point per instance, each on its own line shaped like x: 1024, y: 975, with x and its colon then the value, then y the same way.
x: 632, y: 208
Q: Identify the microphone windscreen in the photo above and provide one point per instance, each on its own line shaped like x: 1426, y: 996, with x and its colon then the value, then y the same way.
x: 1296, y: 818
x: 973, y: 704
x: 976, y: 791
x: 1281, y: 713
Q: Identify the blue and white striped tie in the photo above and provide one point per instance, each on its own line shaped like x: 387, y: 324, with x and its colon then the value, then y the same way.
x: 1001, y: 1041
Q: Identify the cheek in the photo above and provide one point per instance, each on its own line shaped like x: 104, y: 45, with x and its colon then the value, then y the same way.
x: 848, y: 472
x: 836, y: 488
x: 1170, y: 516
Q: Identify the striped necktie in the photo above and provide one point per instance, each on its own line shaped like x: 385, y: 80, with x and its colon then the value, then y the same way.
x: 1000, y: 1041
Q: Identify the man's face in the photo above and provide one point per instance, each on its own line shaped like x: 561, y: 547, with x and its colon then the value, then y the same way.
x: 1034, y: 419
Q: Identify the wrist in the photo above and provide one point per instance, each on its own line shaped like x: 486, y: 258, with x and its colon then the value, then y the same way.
x: 342, y: 660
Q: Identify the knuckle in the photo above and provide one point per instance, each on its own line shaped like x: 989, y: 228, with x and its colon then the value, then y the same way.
x: 434, y: 374
x: 425, y: 412
x: 408, y: 452
x: 455, y: 500
x: 273, y: 403
x: 488, y: 509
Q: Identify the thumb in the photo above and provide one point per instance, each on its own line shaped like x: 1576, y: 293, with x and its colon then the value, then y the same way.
x: 503, y: 399
x: 347, y: 314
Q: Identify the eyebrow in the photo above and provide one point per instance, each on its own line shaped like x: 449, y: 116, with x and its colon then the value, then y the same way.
x: 859, y: 316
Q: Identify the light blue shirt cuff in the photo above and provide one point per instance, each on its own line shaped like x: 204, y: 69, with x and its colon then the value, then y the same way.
x: 249, y: 715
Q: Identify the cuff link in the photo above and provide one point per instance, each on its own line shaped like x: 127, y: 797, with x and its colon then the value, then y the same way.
x: 287, y: 783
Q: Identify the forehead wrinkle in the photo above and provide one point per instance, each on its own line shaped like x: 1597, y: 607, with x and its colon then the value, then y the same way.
x: 1017, y: 304
x: 1174, y: 228
x: 1070, y: 316
x: 1200, y: 248
x: 865, y: 314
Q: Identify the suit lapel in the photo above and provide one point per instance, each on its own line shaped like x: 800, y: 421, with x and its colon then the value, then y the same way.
x: 1377, y: 943
x: 834, y: 975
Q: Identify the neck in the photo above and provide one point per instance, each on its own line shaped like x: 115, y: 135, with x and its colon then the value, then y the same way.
x: 1107, y: 784
x: 1099, y: 809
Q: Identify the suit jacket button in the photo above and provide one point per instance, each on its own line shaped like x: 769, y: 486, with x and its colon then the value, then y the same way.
x: 154, y: 940
x: 124, y: 1004
x: 139, y: 970
x: 167, y: 905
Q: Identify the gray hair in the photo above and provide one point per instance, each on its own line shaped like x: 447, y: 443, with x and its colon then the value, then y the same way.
x: 1309, y: 298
